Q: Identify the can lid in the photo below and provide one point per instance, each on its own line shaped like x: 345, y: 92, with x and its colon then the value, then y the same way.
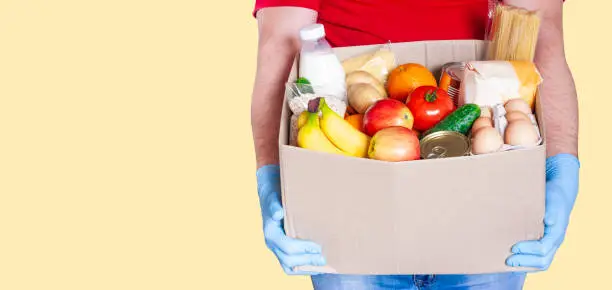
x: 455, y: 64
x: 455, y: 70
x: 444, y: 144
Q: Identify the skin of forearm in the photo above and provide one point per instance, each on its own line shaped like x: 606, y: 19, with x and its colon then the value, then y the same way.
x: 277, y: 49
x: 275, y: 59
x: 558, y: 91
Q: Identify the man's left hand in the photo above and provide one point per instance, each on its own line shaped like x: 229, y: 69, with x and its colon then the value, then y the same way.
x: 561, y: 191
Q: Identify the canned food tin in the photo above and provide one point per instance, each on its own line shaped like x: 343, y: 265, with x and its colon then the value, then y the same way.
x: 444, y: 144
x: 450, y: 79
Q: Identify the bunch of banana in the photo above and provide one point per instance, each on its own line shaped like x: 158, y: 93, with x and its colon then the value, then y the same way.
x: 330, y: 133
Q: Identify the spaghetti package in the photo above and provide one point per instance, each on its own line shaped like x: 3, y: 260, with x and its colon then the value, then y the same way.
x: 513, y: 33
x: 490, y: 83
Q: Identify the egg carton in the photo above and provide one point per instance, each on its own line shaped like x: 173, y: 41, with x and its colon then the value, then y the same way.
x: 500, y: 123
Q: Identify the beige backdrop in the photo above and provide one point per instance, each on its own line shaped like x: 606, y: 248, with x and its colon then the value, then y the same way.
x: 126, y: 159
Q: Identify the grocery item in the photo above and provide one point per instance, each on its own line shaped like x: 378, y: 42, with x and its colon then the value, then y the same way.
x: 293, y: 130
x: 361, y: 96
x: 386, y: 113
x: 517, y: 105
x: 488, y: 83
x: 486, y: 140
x: 298, y: 101
x: 341, y: 133
x: 356, y: 121
x: 480, y: 123
x: 519, y: 130
x: 394, y: 144
x: 450, y: 79
x: 460, y: 120
x: 429, y: 105
x: 513, y: 34
x: 319, y: 64
x: 304, y: 86
x: 512, y: 116
x: 359, y: 77
x: 521, y: 133
x: 297, y: 122
x: 407, y: 77
x: 311, y: 137
x: 302, y: 119
x: 378, y: 63
x: 350, y: 111
x: 444, y: 144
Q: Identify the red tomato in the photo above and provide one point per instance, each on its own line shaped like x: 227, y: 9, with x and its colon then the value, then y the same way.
x: 429, y: 105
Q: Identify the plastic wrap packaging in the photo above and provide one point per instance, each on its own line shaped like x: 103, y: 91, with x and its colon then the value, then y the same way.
x: 491, y: 16
x: 488, y: 83
x: 513, y: 32
x: 378, y: 63
x: 298, y: 96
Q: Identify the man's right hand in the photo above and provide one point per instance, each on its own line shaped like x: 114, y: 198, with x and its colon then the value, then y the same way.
x: 290, y: 252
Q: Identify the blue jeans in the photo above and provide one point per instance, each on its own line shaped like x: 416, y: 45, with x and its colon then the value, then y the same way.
x: 503, y: 281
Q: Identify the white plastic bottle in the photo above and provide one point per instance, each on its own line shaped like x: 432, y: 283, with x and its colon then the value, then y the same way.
x: 319, y: 64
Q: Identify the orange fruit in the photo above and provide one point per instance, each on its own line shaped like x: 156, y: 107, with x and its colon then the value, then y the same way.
x: 356, y: 121
x: 350, y: 111
x: 407, y: 77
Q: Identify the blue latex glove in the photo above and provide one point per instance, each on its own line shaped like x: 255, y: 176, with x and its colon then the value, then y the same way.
x: 561, y: 191
x: 290, y: 252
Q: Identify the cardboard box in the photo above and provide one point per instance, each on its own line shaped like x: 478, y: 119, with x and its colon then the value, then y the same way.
x: 444, y: 216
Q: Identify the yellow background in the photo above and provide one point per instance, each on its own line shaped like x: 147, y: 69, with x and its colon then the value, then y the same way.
x: 126, y: 159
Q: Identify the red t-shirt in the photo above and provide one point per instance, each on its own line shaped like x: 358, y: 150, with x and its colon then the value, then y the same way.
x: 361, y: 22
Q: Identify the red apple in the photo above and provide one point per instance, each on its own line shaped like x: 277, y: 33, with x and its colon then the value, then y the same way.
x: 387, y: 113
x: 395, y: 144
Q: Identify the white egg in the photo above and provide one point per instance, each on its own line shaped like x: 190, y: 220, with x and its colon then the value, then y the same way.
x: 486, y: 140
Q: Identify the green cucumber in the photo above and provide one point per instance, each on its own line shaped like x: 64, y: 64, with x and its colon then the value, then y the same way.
x: 460, y: 120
